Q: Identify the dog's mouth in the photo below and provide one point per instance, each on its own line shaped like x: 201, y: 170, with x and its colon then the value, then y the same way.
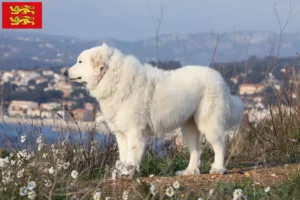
x: 77, y: 79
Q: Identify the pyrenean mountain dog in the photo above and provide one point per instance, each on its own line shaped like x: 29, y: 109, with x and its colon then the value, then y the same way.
x: 140, y: 101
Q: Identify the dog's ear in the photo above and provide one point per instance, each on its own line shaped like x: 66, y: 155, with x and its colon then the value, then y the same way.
x: 97, y: 61
x: 108, y: 50
x: 99, y: 64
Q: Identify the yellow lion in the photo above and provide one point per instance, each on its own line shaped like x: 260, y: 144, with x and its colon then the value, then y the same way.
x: 23, y: 20
x: 15, y: 10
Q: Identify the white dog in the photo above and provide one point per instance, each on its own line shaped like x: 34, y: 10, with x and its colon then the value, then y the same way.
x: 140, y: 101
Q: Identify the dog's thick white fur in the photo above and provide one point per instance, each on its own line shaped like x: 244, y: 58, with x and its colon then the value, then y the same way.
x: 139, y: 101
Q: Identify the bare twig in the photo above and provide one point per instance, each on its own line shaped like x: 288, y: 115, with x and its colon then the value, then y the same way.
x: 215, y: 48
x: 282, y: 28
x: 247, y: 40
x: 157, y: 28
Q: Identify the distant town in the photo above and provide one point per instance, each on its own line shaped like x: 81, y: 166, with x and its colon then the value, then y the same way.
x: 53, y: 82
x: 45, y: 93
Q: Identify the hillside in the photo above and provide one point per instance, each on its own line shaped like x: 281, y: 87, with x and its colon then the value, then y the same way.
x: 27, y: 50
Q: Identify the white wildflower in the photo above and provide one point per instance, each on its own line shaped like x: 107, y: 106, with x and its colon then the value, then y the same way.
x: 12, y: 162
x: 19, y: 163
x: 31, y: 194
x: 125, y: 195
x: 97, y: 196
x: 23, y: 191
x: 170, y: 191
x: 176, y: 185
x: 74, y: 197
x: 48, y: 183
x: 152, y: 189
x: 59, y: 164
x: 45, y: 155
x: 55, y: 151
x: 29, y: 155
x: 32, y: 164
x: 200, y: 198
x: 51, y: 170
x: 64, y: 143
x: 237, y: 194
x: 22, y: 154
x: 267, y: 189
x: 211, y: 192
x: 23, y: 138
x: 6, y: 179
x: 138, y: 180
x: 3, y: 162
x: 39, y: 140
x: 114, y: 175
x: 31, y: 185
x: 40, y: 147
x: 107, y: 198
x: 20, y: 173
x: 151, y: 175
x: 294, y: 140
x: 74, y: 174
x: 66, y: 165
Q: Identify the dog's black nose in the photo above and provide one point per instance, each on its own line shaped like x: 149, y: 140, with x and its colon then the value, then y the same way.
x: 66, y: 73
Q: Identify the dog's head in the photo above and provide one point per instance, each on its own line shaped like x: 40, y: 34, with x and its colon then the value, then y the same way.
x: 91, y: 66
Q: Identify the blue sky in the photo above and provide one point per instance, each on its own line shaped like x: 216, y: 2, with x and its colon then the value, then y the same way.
x: 132, y: 19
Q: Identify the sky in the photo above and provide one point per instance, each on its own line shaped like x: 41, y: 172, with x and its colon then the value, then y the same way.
x: 133, y: 19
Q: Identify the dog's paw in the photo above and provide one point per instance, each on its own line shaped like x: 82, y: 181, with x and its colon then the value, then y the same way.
x: 217, y: 170
x: 119, y: 165
x: 123, y: 170
x: 187, y: 172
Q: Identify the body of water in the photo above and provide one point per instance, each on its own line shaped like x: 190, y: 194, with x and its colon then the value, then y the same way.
x: 10, y: 134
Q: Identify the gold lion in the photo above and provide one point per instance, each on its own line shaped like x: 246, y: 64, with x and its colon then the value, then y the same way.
x: 23, y: 20
x: 15, y: 10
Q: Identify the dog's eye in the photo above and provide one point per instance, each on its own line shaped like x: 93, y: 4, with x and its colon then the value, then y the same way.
x: 79, y: 61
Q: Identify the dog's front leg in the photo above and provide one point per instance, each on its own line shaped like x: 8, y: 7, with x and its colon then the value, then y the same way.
x: 122, y: 146
x: 136, y: 143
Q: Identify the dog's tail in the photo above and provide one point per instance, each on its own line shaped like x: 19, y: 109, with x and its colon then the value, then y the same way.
x: 236, y: 111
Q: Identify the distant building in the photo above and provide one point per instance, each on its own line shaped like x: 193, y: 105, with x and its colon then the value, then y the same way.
x: 40, y: 80
x: 69, y: 104
x: 66, y: 88
x: 33, y: 112
x: 21, y: 107
x: 7, y: 76
x: 83, y: 114
x: 88, y: 106
x: 47, y: 114
x: 50, y: 106
x: 250, y: 89
x: 47, y: 72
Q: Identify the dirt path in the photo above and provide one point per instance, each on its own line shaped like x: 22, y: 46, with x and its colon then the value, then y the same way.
x: 205, y: 182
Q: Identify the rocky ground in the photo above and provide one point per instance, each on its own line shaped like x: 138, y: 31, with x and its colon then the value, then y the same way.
x: 195, y: 184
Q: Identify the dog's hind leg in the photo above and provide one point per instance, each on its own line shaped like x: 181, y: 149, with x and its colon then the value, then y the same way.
x: 191, y: 136
x: 214, y: 132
